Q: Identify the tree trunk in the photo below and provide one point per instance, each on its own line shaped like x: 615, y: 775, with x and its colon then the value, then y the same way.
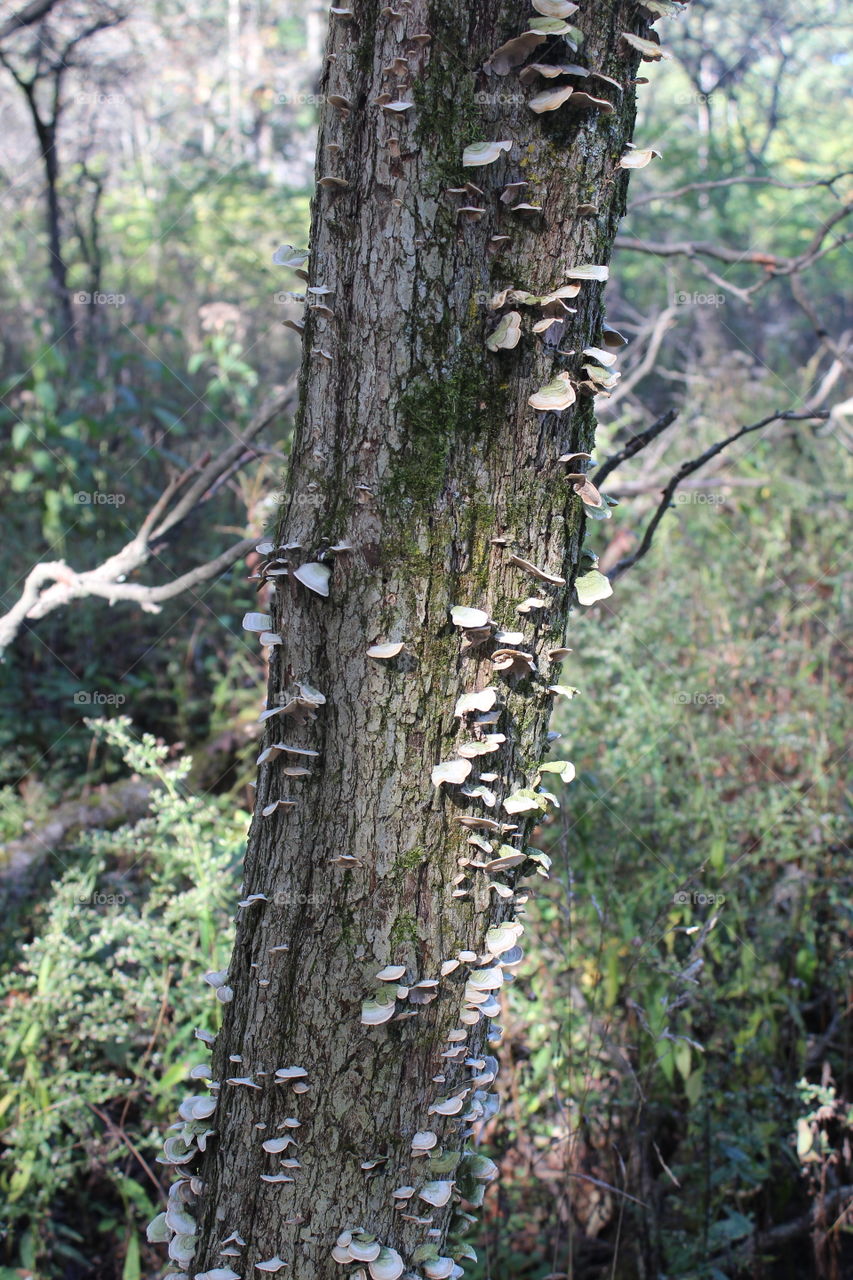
x: 47, y: 131
x: 416, y: 445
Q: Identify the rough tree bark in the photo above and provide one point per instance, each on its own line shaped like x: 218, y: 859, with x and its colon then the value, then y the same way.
x: 415, y: 445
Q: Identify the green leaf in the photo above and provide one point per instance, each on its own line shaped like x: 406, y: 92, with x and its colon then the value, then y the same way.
x: 593, y: 586
x: 564, y: 768
x: 132, y: 1269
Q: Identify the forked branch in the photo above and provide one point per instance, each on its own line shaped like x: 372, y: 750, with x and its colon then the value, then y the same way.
x: 695, y: 464
x: 52, y: 585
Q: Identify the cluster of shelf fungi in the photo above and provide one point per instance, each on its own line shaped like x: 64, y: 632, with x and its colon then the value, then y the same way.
x: 453, y: 1177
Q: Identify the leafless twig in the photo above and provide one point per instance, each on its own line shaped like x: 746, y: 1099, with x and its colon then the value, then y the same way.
x: 108, y: 580
x: 746, y: 180
x: 688, y: 468
x: 634, y: 445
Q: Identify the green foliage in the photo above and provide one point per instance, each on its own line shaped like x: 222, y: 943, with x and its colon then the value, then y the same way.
x: 691, y: 952
x: 97, y: 1015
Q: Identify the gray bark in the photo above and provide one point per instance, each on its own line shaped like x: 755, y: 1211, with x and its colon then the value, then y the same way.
x: 417, y: 445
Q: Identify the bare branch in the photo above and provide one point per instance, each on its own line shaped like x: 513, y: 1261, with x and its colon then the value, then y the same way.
x: 747, y: 180
x: 773, y: 264
x: 268, y: 411
x: 688, y: 468
x: 108, y: 581
x: 634, y: 445
x: 787, y: 1231
x: 656, y: 332
x: 26, y: 17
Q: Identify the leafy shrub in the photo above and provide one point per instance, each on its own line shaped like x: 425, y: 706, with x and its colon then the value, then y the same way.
x: 97, y: 1018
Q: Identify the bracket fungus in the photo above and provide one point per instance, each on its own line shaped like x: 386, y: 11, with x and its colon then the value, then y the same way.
x: 550, y: 99
x: 555, y: 8
x: 479, y: 700
x: 391, y: 973
x: 286, y: 256
x: 550, y: 70
x: 564, y: 769
x: 485, y: 746
x: 375, y: 1012
x: 257, y: 622
x: 436, y: 1193
x: 638, y: 158
x: 649, y: 50
x: 589, y: 271
x: 450, y: 771
x: 388, y: 1266
x: 315, y: 576
x: 423, y: 1141
x: 554, y: 396
x: 587, y: 492
x: 581, y: 100
x: 543, y: 574
x: 290, y: 1073
x: 501, y: 938
x: 384, y: 652
x: 513, y: 52
x: 469, y: 619
x: 482, y: 153
x: 507, y: 334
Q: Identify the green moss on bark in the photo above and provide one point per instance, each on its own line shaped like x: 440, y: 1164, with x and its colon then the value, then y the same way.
x: 403, y: 930
x: 435, y: 415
